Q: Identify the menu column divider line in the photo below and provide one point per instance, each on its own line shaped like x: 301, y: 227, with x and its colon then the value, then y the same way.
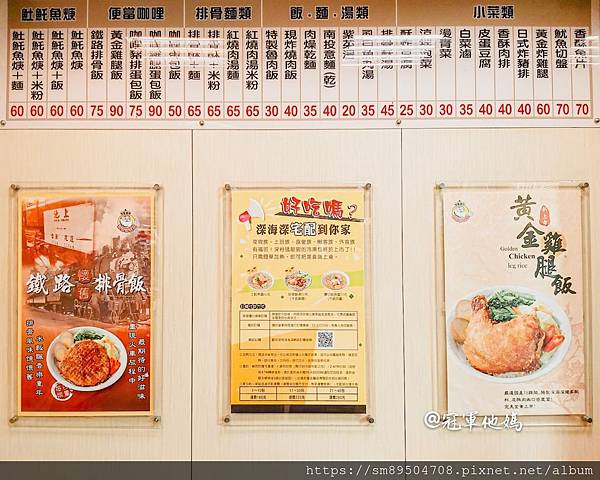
x: 192, y: 308
x: 513, y: 52
x: 396, y: 67
x: 403, y: 292
x: 262, y: 62
x: 533, y: 53
x: 494, y: 55
x: 85, y: 58
x: 184, y: 71
x: 571, y: 69
x: 551, y: 69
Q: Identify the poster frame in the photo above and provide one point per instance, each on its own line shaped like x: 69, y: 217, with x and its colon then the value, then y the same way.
x: 225, y: 415
x: 115, y: 420
x: 439, y: 347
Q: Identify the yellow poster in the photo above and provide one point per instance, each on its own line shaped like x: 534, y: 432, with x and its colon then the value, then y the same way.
x: 298, y: 300
x: 514, y: 289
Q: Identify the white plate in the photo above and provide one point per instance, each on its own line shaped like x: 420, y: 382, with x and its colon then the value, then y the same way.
x: 50, y: 361
x: 540, y: 299
x: 266, y: 274
x: 343, y: 274
x: 294, y: 288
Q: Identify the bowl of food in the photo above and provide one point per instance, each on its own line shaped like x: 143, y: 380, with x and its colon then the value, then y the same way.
x: 86, y: 359
x: 260, y: 281
x: 508, y: 334
x: 335, y: 280
x: 298, y: 280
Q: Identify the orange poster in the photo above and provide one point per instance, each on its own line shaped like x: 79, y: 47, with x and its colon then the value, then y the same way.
x: 85, y: 280
x: 514, y: 297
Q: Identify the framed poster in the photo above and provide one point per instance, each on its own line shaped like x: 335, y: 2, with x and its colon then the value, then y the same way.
x: 86, y: 307
x: 516, y: 319
x: 298, y: 300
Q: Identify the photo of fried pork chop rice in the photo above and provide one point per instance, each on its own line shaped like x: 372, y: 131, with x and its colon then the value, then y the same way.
x: 508, y: 333
x: 86, y: 364
x: 85, y: 358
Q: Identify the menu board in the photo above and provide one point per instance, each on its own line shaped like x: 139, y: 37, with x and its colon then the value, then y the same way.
x: 267, y: 62
x: 514, y: 300
x: 86, y: 264
x: 298, y: 300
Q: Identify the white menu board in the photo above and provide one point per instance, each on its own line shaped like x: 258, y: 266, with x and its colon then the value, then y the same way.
x: 179, y: 63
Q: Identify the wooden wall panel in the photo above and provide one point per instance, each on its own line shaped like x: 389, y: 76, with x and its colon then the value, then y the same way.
x: 431, y: 156
x: 278, y: 157
x: 102, y: 157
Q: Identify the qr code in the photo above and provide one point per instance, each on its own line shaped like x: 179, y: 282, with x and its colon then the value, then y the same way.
x: 325, y: 340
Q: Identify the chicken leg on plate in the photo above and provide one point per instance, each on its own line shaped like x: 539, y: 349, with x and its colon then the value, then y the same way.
x: 496, y: 348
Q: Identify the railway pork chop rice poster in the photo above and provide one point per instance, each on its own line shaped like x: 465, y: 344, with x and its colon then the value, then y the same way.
x: 514, y: 298
x: 85, y: 307
x: 298, y: 300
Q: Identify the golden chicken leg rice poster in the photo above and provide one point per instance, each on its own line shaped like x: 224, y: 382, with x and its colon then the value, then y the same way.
x: 298, y: 300
x: 85, y: 302
x: 514, y: 303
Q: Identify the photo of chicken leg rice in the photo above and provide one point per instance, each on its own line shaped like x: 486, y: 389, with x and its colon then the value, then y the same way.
x: 506, y: 334
x: 86, y: 358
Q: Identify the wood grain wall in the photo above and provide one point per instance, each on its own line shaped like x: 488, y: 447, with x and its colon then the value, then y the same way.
x: 486, y: 155
x: 403, y: 167
x: 105, y: 158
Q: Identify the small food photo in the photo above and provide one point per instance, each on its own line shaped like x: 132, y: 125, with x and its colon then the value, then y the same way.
x: 335, y: 280
x: 297, y: 280
x: 508, y: 334
x: 259, y: 280
x: 87, y: 358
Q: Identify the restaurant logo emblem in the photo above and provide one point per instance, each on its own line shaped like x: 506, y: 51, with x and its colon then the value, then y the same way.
x: 126, y: 222
x: 460, y: 212
x: 60, y: 392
